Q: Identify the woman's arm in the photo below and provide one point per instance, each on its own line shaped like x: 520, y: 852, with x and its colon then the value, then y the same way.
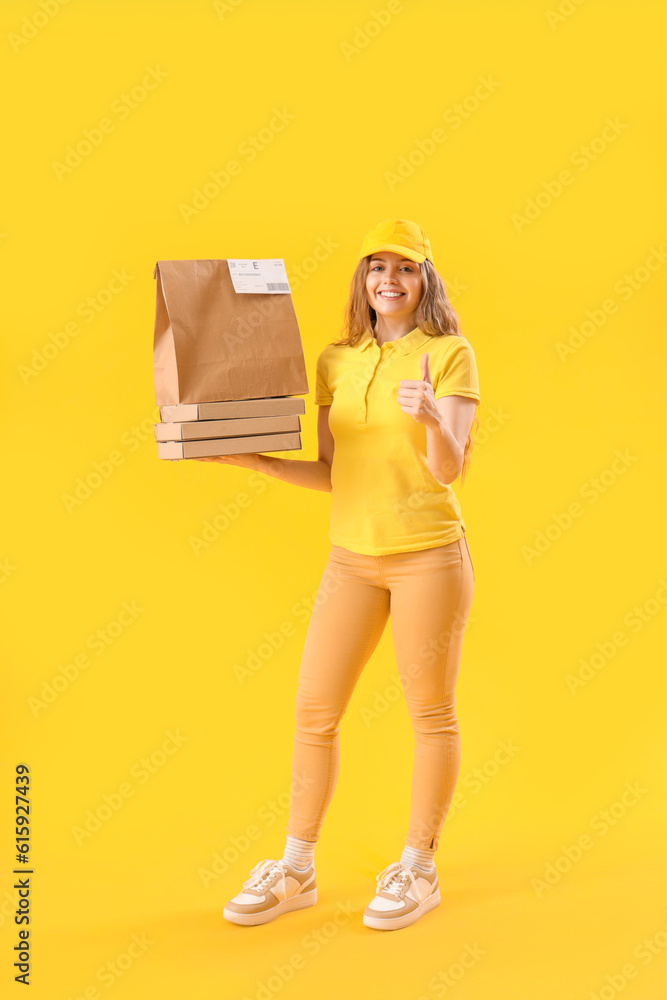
x: 312, y: 475
x: 448, y: 421
x: 447, y: 434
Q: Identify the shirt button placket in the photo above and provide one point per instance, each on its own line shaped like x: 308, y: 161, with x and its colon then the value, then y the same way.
x: 380, y: 353
x: 372, y: 361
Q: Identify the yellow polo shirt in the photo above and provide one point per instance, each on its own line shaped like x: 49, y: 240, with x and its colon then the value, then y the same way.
x: 384, y: 498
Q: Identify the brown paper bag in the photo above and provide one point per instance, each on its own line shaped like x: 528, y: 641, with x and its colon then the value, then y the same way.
x: 213, y: 343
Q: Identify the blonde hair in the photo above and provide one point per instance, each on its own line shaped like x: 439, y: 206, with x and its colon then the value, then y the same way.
x: 434, y: 315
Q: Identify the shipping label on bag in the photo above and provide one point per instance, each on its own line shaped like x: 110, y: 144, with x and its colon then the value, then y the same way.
x: 213, y: 343
x: 263, y: 276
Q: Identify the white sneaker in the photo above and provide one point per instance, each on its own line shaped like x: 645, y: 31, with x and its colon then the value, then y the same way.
x: 274, y: 887
x: 404, y: 893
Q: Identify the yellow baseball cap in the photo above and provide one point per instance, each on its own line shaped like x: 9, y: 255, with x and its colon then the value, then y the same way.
x: 399, y: 235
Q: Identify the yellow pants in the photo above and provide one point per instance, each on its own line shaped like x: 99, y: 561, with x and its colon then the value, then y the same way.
x: 428, y: 593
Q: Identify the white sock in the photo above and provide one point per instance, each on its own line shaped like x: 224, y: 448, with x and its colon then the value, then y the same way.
x: 422, y: 858
x: 299, y: 853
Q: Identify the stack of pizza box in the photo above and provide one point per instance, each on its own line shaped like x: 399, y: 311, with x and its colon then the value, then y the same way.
x: 229, y: 427
x: 227, y: 358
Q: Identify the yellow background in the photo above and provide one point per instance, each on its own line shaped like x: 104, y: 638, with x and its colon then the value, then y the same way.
x: 362, y: 95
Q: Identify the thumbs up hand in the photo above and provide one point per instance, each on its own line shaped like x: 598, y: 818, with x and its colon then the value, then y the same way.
x: 417, y: 398
x: 426, y: 374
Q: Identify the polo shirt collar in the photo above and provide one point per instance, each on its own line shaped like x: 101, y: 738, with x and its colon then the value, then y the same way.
x: 406, y: 344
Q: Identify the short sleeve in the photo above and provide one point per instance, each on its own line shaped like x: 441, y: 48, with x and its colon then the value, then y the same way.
x: 323, y: 396
x: 458, y: 376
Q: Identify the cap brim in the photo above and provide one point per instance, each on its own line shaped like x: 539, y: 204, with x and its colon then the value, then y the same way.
x: 419, y: 258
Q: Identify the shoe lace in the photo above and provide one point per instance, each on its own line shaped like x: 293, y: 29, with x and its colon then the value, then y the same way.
x: 264, y: 872
x: 396, y: 878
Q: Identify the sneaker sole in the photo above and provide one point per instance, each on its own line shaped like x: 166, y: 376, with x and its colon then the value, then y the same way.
x: 394, y: 923
x: 298, y: 902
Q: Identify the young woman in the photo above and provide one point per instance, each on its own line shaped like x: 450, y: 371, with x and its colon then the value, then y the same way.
x: 397, y: 398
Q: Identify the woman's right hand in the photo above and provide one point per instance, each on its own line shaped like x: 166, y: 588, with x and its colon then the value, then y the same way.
x: 246, y: 459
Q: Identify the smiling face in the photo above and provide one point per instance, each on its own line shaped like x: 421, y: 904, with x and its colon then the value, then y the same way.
x: 393, y: 284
